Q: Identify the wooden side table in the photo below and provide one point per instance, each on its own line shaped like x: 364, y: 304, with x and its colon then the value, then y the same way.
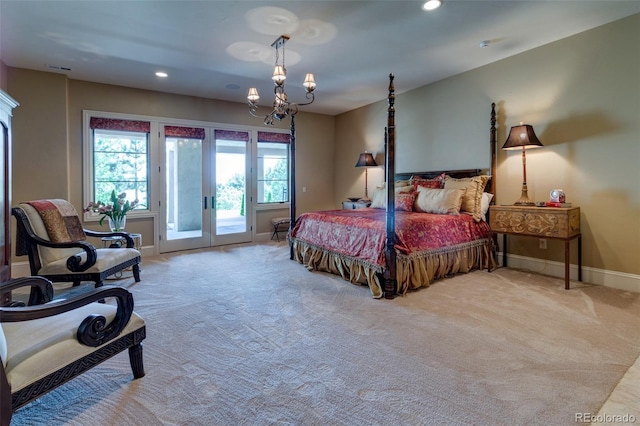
x: 542, y: 222
x: 349, y: 205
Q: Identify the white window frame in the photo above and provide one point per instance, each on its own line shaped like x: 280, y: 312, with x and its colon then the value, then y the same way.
x: 279, y: 204
x: 88, y: 194
x: 154, y: 160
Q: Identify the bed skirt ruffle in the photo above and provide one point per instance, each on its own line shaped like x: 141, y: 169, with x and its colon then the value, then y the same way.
x: 412, y: 271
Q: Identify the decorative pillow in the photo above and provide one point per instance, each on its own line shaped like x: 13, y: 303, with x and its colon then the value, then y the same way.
x: 472, y: 199
x: 402, y: 189
x: 400, y: 183
x: 379, y: 199
x: 484, y: 204
x: 441, y: 201
x: 404, y: 201
x: 435, y: 183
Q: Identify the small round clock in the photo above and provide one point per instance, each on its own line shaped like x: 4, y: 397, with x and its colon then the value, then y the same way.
x: 557, y: 196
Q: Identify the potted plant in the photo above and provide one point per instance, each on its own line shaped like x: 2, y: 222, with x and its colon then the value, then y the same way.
x: 116, y: 210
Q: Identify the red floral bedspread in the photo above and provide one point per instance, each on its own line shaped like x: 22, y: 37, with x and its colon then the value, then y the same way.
x: 361, y: 233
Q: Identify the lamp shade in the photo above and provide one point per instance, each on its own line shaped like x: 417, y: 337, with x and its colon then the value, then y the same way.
x: 253, y: 94
x: 279, y: 75
x: 522, y: 136
x: 366, y: 160
x: 309, y: 82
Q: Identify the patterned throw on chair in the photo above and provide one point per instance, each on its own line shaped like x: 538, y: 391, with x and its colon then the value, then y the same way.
x: 60, y: 220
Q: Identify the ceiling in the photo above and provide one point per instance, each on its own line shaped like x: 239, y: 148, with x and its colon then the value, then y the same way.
x: 218, y: 49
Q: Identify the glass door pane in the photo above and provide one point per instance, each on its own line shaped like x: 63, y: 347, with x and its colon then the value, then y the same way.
x: 207, y: 185
x: 185, y: 227
x: 231, y: 188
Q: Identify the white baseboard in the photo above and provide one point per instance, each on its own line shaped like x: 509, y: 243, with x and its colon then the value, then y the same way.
x: 613, y: 279
x: 266, y: 236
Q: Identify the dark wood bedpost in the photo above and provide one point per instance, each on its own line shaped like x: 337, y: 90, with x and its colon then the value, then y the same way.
x: 494, y: 161
x: 292, y: 179
x: 389, y: 274
x: 493, y: 142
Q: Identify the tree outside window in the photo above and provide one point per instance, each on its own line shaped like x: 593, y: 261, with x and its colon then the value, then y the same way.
x: 120, y: 163
x: 273, y: 172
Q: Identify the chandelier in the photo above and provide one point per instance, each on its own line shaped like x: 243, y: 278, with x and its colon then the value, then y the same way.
x: 281, y: 105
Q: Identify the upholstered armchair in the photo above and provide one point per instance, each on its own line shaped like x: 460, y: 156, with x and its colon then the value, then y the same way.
x: 51, y: 234
x: 45, y: 343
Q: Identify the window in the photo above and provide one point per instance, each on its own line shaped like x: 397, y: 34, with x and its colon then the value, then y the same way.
x: 120, y: 159
x: 273, y: 167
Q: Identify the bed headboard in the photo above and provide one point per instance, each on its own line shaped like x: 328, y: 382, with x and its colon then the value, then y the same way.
x: 458, y: 174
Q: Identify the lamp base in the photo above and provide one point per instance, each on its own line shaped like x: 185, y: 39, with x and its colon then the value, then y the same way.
x: 524, y: 198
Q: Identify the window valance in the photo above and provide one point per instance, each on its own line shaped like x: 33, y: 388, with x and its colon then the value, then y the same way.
x: 117, y: 124
x: 274, y: 137
x: 184, y: 132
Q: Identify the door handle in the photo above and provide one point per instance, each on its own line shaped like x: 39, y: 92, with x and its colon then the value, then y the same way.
x: 205, y: 203
x: 213, y: 202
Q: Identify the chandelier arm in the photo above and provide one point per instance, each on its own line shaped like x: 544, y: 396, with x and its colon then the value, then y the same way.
x: 309, y: 95
x: 292, y: 109
x: 280, y: 95
x: 253, y: 108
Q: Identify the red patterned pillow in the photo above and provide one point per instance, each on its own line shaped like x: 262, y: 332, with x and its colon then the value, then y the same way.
x: 404, y: 201
x: 435, y: 183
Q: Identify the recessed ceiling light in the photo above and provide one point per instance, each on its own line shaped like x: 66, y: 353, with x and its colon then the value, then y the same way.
x: 432, y: 4
x: 162, y: 74
x: 485, y: 43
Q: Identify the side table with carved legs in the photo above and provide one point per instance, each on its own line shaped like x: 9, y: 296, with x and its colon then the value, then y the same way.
x: 541, y: 222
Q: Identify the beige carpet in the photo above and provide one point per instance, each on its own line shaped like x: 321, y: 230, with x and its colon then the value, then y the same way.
x: 241, y: 335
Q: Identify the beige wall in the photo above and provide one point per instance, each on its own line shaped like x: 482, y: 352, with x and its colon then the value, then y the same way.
x: 47, y: 156
x: 581, y: 95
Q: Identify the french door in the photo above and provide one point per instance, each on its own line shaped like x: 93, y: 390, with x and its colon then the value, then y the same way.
x: 207, y: 180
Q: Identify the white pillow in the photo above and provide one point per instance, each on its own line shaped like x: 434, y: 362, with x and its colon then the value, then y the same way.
x: 440, y: 201
x: 379, y: 199
x: 486, y: 199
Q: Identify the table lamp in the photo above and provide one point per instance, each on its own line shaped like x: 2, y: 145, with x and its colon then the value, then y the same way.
x: 522, y: 137
x: 366, y: 160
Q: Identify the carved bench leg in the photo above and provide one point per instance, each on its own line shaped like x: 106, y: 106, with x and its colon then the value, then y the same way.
x: 6, y: 410
x: 135, y: 359
x: 136, y: 272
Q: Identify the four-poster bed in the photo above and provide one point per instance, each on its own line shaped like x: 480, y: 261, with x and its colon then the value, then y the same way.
x: 407, y: 241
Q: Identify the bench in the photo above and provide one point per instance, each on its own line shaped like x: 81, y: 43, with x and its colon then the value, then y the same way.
x: 280, y: 224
